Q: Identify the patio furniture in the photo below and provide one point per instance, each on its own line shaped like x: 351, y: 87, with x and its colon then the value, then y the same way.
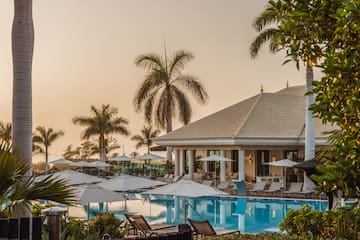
x: 204, y: 228
x: 223, y: 185
x: 295, y: 187
x: 274, y: 187
x: 139, y: 224
x: 259, y: 186
x: 207, y: 182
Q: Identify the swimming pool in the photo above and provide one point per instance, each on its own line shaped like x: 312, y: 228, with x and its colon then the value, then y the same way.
x: 250, y: 215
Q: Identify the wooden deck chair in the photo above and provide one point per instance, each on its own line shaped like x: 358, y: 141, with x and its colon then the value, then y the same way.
x: 139, y: 223
x: 204, y: 228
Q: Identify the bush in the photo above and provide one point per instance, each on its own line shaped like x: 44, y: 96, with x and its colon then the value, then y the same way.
x: 73, y: 230
x: 106, y: 223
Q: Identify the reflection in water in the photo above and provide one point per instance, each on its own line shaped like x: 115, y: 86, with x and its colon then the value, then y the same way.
x: 250, y: 215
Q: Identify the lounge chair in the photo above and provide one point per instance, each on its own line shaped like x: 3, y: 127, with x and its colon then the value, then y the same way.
x: 295, y: 187
x: 177, y: 178
x: 223, y: 185
x: 274, y: 187
x: 259, y: 186
x: 204, y: 228
x: 139, y: 224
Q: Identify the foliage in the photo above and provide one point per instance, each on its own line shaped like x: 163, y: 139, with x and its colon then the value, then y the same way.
x: 260, y: 236
x: 73, y: 229
x: 5, y: 132
x: 338, y: 102
x: 101, y: 124
x: 19, y: 189
x: 342, y: 223
x: 145, y: 138
x: 106, y: 223
x: 161, y: 95
x: 37, y: 208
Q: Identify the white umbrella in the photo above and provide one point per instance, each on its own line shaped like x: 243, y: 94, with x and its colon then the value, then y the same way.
x: 99, y: 164
x: 282, y: 163
x: 150, y: 156
x: 73, y: 177
x: 186, y: 188
x: 80, y: 164
x: 123, y: 158
x: 215, y: 158
x: 127, y: 182
x: 93, y: 193
x: 61, y: 161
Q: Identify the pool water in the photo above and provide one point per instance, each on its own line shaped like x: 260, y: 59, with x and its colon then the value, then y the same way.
x: 250, y: 215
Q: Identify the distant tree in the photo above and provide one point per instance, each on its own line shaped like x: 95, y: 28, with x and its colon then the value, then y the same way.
x: 162, y: 94
x: 145, y: 138
x: 70, y: 153
x: 42, y: 140
x: 134, y: 154
x: 102, y: 123
x: 5, y: 132
x: 110, y: 145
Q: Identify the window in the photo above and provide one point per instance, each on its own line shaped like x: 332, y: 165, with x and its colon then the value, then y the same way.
x: 291, y: 154
x: 235, y: 163
x: 261, y: 157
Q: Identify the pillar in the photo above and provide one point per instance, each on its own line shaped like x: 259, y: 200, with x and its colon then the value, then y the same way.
x: 241, y: 165
x: 222, y: 168
x: 191, y: 164
x: 53, y: 216
x: 176, y: 163
x: 182, y: 162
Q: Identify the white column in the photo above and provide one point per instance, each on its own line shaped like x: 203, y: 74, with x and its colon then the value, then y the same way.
x: 176, y: 163
x: 222, y: 168
x: 182, y: 162
x: 191, y: 164
x: 241, y: 165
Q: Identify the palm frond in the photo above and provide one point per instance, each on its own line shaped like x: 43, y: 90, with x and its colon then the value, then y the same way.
x: 183, y: 105
x: 178, y: 61
x: 271, y: 15
x: 265, y: 36
x: 152, y: 81
x: 194, y: 86
x: 150, y: 61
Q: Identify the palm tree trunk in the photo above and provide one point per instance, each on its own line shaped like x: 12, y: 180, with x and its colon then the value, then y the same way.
x: 309, y: 124
x: 169, y: 129
x: 22, y: 50
x: 46, y: 159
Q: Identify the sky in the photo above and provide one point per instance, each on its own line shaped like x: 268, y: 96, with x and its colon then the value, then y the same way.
x: 85, y: 50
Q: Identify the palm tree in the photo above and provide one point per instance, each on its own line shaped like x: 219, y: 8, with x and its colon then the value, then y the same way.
x: 18, y: 189
x: 22, y: 50
x: 145, y: 138
x: 273, y: 25
x: 5, y: 132
x: 110, y: 144
x: 162, y: 95
x: 101, y: 123
x: 42, y: 139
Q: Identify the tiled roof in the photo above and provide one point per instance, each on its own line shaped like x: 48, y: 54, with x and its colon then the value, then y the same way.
x: 266, y: 115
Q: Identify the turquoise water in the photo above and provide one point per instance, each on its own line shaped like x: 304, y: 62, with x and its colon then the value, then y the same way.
x: 251, y: 215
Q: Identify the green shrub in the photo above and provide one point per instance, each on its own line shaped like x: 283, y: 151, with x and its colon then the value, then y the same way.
x: 73, y: 230
x: 106, y: 223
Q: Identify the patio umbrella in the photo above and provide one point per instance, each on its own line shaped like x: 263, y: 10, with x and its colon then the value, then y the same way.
x: 282, y: 163
x: 215, y: 158
x: 99, y: 164
x: 61, y: 161
x: 125, y: 183
x: 150, y: 157
x: 309, y: 164
x: 121, y: 159
x: 186, y: 188
x: 80, y: 164
x: 93, y: 193
x: 73, y: 177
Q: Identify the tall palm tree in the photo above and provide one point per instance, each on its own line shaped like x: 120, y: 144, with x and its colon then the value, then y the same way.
x: 5, y: 132
x: 42, y: 140
x: 273, y: 27
x: 145, y: 138
x: 110, y: 145
x: 18, y: 189
x: 22, y: 50
x: 162, y: 94
x: 101, y: 123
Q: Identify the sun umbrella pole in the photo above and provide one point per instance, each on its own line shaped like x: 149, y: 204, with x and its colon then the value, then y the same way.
x: 88, y: 212
x: 184, y: 209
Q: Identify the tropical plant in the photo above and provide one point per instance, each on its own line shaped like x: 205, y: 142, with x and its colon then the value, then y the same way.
x: 22, y: 38
x: 102, y: 123
x: 162, y: 94
x: 72, y: 153
x: 107, y: 223
x: 5, y: 132
x: 145, y: 138
x: 74, y: 229
x: 18, y: 189
x: 110, y: 145
x: 300, y: 28
x: 42, y: 140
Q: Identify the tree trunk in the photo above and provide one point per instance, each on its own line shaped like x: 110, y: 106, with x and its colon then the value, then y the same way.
x: 22, y: 50
x: 169, y: 129
x: 309, y: 124
x: 46, y: 159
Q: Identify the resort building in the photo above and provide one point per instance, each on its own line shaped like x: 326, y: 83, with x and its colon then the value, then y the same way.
x: 266, y: 127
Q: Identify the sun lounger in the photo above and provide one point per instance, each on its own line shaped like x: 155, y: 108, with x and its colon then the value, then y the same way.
x: 274, y: 187
x: 139, y: 224
x: 223, y: 185
x: 259, y: 186
x: 295, y: 187
x: 207, y: 182
x: 204, y: 228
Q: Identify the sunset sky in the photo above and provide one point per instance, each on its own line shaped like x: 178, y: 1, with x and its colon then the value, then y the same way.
x: 85, y: 50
